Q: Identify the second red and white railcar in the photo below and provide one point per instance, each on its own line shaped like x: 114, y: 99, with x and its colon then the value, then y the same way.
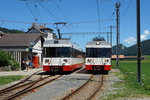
x: 98, y: 56
x: 61, y: 55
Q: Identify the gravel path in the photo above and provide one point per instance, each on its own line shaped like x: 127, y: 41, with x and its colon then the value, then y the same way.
x: 59, y: 88
x: 29, y: 72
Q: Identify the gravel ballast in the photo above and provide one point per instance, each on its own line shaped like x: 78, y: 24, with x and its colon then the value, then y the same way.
x: 59, y: 88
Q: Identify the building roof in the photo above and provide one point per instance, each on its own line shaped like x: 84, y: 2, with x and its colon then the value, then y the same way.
x: 39, y: 28
x: 19, y: 40
x: 2, y: 33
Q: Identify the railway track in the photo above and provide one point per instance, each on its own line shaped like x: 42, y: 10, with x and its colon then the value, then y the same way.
x: 88, y: 90
x: 19, y: 83
x: 25, y: 86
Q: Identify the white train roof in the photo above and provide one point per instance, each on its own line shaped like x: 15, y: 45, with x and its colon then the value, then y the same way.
x: 60, y: 43
x: 98, y: 44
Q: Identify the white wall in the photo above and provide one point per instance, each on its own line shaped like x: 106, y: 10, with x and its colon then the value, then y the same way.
x: 38, y: 49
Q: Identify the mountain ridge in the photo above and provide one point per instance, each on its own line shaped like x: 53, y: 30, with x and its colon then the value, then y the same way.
x: 132, y: 50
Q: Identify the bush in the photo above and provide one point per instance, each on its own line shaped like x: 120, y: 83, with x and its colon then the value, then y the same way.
x: 4, y: 58
x: 15, y: 65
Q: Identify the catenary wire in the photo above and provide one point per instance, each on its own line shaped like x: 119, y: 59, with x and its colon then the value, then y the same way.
x: 36, y: 7
x: 126, y: 9
x: 31, y: 11
x: 48, y: 11
x: 61, y: 11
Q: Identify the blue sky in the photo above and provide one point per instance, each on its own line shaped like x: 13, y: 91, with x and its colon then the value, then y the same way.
x: 72, y: 11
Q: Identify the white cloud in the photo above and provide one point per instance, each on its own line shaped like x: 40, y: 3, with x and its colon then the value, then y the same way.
x: 146, y: 32
x: 130, y: 40
x: 145, y: 35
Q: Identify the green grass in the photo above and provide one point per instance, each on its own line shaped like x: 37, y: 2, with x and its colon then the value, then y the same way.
x: 9, y: 79
x: 129, y: 71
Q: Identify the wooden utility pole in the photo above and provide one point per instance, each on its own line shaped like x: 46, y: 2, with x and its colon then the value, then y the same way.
x: 117, y: 38
x: 138, y: 42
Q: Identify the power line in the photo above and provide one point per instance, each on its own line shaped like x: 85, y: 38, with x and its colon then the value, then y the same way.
x: 111, y: 15
x: 22, y: 22
x: 48, y: 11
x: 31, y: 11
x: 92, y: 21
x: 84, y: 33
x: 36, y: 7
x: 129, y: 3
x: 81, y: 22
x: 61, y: 11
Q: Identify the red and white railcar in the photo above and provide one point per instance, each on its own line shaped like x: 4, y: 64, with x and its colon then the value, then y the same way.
x: 98, y: 56
x: 61, y: 55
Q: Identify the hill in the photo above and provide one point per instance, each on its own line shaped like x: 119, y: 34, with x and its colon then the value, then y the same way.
x: 132, y: 50
x: 7, y: 31
x: 121, y: 47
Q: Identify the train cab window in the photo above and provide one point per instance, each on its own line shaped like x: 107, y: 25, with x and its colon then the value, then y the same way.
x: 98, y: 52
x: 57, y: 52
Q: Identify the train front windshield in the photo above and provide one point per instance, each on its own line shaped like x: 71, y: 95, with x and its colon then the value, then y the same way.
x: 57, y: 52
x: 98, y: 52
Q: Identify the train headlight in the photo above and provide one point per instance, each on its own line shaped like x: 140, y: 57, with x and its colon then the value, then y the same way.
x: 46, y: 60
x: 89, y: 60
x: 65, y: 60
x: 98, y: 43
x: 106, y: 60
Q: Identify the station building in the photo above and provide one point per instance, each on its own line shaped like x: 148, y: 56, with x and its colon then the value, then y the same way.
x: 27, y: 45
x: 23, y: 46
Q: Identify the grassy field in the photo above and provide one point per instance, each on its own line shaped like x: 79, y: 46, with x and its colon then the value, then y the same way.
x: 129, y: 70
x: 9, y: 79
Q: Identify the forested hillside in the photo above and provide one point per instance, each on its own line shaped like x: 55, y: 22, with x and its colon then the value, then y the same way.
x: 7, y: 31
x: 121, y: 47
x: 132, y: 50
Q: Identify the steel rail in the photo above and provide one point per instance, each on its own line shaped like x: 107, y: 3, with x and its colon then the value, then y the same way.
x: 93, y: 95
x: 24, y: 80
x: 16, y: 87
x: 8, y: 98
x: 77, y: 90
x: 29, y: 88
